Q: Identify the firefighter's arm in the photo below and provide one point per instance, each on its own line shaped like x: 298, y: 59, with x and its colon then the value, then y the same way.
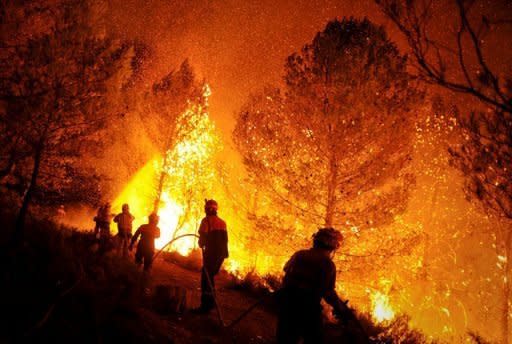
x: 97, y: 226
x: 203, y: 233
x: 157, y: 234
x: 134, y: 238
x: 116, y: 219
x: 340, y: 308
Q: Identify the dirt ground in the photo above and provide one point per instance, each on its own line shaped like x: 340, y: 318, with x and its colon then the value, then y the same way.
x: 257, y: 327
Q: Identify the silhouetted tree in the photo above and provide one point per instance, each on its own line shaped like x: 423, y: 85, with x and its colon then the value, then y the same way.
x: 335, y: 141
x: 52, y: 88
x: 461, y: 63
x: 167, y: 102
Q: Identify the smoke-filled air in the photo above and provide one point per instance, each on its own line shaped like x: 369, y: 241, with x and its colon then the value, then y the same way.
x: 256, y: 171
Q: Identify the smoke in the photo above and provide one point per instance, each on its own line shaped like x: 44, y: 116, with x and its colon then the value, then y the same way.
x: 237, y: 46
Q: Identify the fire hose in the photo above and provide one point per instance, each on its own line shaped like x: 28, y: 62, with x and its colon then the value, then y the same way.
x: 217, y: 307
x: 173, y: 240
x: 246, y: 312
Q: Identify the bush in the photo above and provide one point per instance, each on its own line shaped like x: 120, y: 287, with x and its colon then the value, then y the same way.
x: 57, y: 287
x: 192, y: 262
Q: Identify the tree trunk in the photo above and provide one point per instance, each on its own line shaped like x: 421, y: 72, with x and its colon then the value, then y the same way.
x: 507, y: 289
x: 332, y: 176
x: 506, y: 311
x: 163, y: 173
x: 331, y: 191
x: 161, y: 181
x: 27, y: 198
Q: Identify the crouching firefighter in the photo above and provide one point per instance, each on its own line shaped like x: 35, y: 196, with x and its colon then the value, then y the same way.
x: 146, y: 246
x: 310, y: 275
x: 213, y: 240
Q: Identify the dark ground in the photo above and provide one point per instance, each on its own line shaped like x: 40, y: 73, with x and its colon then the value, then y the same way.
x: 56, y: 287
x: 257, y: 327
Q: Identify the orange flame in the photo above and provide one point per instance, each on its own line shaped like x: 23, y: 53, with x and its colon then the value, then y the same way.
x: 196, y: 146
x: 381, y: 307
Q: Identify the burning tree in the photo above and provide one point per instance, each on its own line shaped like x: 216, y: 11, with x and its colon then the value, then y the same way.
x: 334, y: 143
x: 462, y: 64
x: 181, y: 177
x: 166, y: 104
x: 52, y: 89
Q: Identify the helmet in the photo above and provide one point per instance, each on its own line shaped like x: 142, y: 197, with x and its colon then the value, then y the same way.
x: 126, y: 207
x: 210, y: 205
x: 153, y: 218
x: 328, y: 238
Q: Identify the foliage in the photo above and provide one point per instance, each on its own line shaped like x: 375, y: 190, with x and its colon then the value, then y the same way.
x: 485, y: 154
x: 57, y: 288
x: 334, y: 144
x: 462, y: 63
x: 52, y: 91
x: 148, y: 126
x: 399, y: 331
x: 332, y: 148
x: 485, y: 157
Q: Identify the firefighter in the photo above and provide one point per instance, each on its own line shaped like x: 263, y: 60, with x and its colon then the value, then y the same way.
x: 310, y: 275
x: 213, y: 240
x: 146, y: 246
x: 124, y: 222
x: 102, y: 228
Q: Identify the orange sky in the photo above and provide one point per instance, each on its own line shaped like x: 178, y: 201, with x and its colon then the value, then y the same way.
x: 239, y: 46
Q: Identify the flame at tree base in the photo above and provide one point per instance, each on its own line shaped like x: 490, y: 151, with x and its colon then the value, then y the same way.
x: 381, y: 307
x: 138, y: 194
x: 187, y: 178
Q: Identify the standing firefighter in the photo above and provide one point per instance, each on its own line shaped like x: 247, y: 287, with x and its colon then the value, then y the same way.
x: 146, y: 246
x: 213, y: 239
x: 102, y: 228
x: 124, y: 222
x: 310, y: 275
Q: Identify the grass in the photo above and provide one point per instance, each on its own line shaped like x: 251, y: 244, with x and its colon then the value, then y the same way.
x: 56, y: 287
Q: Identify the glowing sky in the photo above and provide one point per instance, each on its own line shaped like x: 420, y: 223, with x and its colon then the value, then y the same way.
x: 239, y: 46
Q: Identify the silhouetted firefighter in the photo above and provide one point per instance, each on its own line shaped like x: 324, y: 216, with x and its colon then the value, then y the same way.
x: 102, y: 228
x: 310, y: 275
x: 213, y: 239
x: 146, y: 246
x: 124, y: 222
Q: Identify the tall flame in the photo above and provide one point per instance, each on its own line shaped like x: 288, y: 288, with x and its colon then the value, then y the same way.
x: 187, y: 178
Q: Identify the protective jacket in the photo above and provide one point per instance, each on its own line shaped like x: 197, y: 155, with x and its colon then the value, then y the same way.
x: 310, y: 275
x: 148, y: 233
x: 124, y: 223
x: 310, y: 270
x: 213, y: 236
x: 102, y: 220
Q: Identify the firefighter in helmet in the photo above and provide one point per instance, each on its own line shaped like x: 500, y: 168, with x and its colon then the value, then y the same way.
x: 146, y: 246
x: 310, y: 275
x: 124, y: 222
x: 213, y: 239
x: 102, y: 228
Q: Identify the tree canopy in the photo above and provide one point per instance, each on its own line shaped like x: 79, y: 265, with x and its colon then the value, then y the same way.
x: 333, y: 142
